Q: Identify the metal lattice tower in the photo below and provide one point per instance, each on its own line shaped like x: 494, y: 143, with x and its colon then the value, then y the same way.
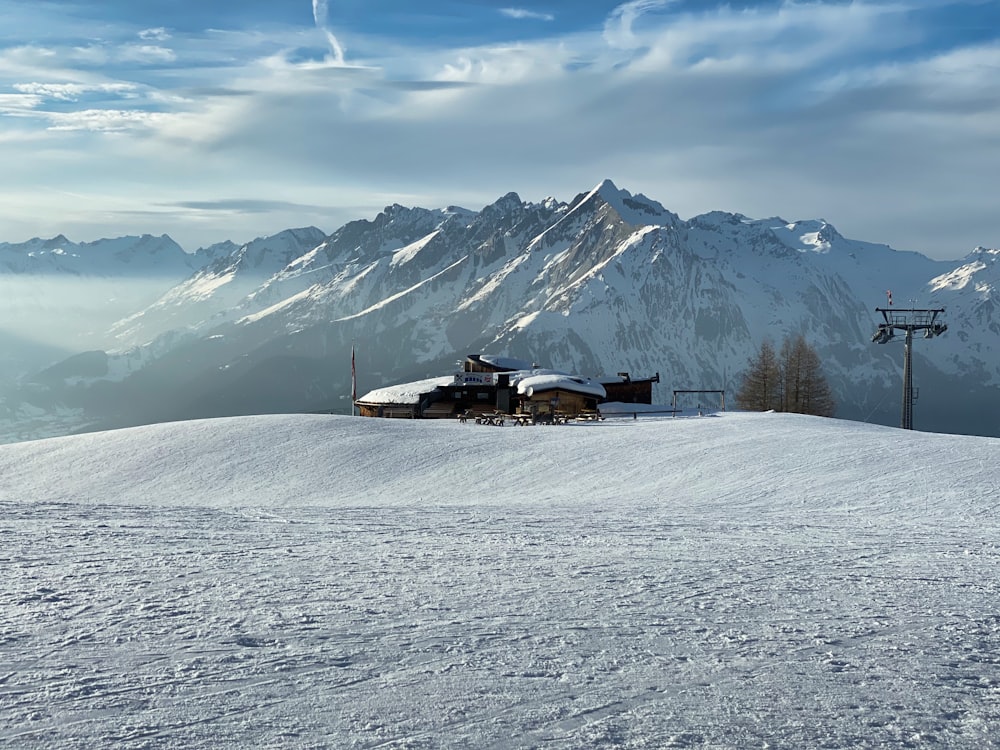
x: 908, y: 320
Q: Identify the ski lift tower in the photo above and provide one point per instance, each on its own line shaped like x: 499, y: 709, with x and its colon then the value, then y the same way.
x: 908, y: 321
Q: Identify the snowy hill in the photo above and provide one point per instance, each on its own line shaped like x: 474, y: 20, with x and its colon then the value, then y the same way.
x: 608, y: 282
x: 727, y: 581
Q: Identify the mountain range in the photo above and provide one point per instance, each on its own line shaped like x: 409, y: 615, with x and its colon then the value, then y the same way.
x: 134, y: 330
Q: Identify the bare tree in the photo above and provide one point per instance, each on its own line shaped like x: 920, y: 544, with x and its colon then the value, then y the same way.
x: 792, y: 381
x: 805, y: 389
x: 761, y: 386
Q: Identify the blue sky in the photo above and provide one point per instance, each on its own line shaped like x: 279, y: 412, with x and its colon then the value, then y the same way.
x: 230, y: 120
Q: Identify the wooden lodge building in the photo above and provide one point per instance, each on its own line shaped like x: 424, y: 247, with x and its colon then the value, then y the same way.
x: 489, y: 384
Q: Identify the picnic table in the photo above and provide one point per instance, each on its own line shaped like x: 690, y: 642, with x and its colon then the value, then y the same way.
x: 494, y: 418
x: 498, y: 418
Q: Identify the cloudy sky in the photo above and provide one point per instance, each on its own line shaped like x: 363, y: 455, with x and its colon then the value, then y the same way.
x: 230, y: 120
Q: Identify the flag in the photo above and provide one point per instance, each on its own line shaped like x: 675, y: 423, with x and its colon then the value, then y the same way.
x: 354, y: 381
x: 888, y: 293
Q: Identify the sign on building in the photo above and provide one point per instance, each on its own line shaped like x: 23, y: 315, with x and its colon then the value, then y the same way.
x: 475, y: 378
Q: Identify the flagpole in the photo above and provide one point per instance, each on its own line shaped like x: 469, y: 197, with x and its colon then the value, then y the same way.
x: 354, y: 381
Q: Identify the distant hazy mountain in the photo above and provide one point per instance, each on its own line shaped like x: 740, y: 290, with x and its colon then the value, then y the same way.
x: 59, y: 297
x: 607, y: 282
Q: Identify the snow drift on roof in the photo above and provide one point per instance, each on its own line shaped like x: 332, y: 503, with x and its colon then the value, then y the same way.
x: 536, y: 383
x: 405, y: 393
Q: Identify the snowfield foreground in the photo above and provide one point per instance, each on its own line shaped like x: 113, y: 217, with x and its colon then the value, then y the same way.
x: 733, y: 581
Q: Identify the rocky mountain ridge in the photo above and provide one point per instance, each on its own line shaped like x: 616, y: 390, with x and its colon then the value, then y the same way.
x: 607, y: 282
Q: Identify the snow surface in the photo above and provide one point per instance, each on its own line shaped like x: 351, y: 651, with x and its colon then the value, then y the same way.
x: 408, y: 253
x: 730, y: 581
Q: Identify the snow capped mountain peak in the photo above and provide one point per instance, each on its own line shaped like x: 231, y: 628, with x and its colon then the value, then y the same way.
x: 457, y: 212
x: 980, y: 271
x: 396, y: 213
x: 55, y: 243
x: 807, y: 236
x: 393, y: 210
x: 115, y: 257
x: 985, y: 254
x: 716, y: 219
x: 278, y: 248
x: 396, y: 226
x: 140, y: 250
x: 637, y: 210
x: 957, y: 279
x: 505, y: 204
x: 608, y: 190
x: 502, y: 209
x: 303, y: 234
x: 38, y: 244
x: 212, y: 253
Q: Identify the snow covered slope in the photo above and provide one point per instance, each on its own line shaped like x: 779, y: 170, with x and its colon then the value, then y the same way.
x: 728, y: 581
x: 210, y: 295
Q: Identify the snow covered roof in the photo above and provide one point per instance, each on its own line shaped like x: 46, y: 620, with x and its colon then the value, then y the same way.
x: 405, y: 393
x: 527, y: 381
x: 537, y: 382
x: 505, y: 363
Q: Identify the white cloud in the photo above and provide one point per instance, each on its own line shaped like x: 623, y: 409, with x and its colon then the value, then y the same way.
x: 506, y: 65
x: 320, y: 14
x: 103, y: 120
x: 31, y: 62
x: 618, y: 29
x: 798, y: 110
x: 73, y: 91
x: 92, y: 55
x: 789, y: 39
x: 158, y: 34
x: 19, y: 103
x: 522, y: 14
x: 146, y: 53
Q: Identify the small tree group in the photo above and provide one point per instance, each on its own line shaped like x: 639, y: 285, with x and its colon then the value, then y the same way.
x: 791, y: 380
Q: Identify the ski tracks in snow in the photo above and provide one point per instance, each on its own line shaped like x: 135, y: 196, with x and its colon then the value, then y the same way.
x: 563, y: 627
